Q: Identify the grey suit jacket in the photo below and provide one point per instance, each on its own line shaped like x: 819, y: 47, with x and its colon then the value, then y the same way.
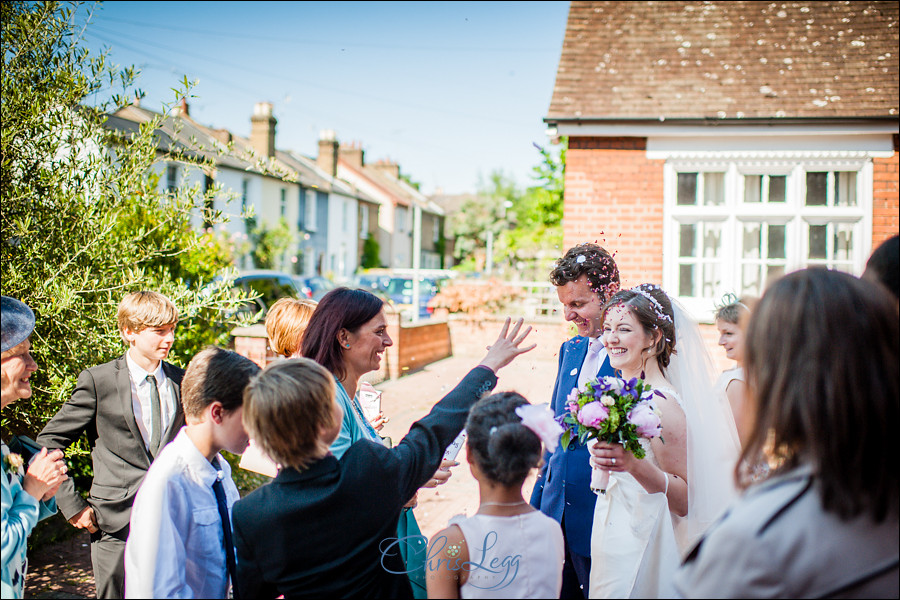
x: 778, y: 542
x: 101, y: 407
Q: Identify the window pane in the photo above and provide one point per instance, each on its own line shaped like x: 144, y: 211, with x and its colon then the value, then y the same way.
x: 776, y: 241
x: 816, y: 189
x: 687, y: 188
x: 750, y: 283
x: 818, y: 243
x: 845, y: 188
x: 752, y: 240
x: 713, y: 189
x: 774, y: 272
x: 687, y: 241
x: 843, y: 241
x: 711, y: 280
x: 712, y: 240
x: 777, y: 187
x: 686, y: 280
x: 752, y: 188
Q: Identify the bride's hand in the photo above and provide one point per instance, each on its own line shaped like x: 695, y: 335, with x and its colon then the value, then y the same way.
x: 611, y: 457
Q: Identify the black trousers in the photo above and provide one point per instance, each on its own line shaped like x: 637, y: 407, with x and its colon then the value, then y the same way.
x: 108, y: 560
x: 576, y: 577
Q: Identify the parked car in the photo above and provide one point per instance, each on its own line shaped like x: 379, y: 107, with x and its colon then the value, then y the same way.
x: 269, y: 286
x: 377, y: 284
x: 400, y: 292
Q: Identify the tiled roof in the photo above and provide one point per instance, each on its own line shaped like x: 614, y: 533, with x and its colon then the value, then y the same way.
x: 195, y: 139
x: 652, y: 60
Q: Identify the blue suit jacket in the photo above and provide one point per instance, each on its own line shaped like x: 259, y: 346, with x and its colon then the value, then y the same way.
x: 563, y: 487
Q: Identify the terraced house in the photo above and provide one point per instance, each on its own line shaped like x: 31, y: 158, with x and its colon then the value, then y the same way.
x: 715, y: 145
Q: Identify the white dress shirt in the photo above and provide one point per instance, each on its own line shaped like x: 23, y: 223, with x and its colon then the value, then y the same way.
x: 175, y: 548
x: 140, y: 398
x: 593, y: 360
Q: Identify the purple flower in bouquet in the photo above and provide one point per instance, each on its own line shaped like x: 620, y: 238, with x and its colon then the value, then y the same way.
x: 645, y: 420
x: 630, y: 387
x: 593, y: 414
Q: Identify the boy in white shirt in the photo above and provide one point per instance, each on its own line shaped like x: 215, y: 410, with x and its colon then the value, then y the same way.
x: 180, y: 545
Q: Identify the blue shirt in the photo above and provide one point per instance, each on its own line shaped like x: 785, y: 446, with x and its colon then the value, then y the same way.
x: 354, y: 427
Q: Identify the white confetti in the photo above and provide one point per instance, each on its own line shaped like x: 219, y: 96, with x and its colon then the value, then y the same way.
x: 573, y: 372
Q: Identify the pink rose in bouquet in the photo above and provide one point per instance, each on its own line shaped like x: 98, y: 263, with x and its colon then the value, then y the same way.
x: 593, y: 414
x: 645, y: 419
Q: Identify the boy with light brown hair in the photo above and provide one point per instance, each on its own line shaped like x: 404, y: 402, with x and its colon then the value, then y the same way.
x: 130, y: 408
x: 180, y: 543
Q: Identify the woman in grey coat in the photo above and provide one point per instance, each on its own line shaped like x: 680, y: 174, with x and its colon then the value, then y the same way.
x: 822, y: 374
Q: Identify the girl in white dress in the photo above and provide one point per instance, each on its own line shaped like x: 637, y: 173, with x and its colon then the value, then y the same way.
x: 507, y: 549
x: 731, y: 319
x: 654, y: 507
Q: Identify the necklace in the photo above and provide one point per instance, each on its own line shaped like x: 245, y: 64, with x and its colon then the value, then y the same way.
x: 520, y: 503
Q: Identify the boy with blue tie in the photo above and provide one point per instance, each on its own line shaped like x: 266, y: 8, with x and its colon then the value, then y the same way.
x: 180, y: 543
x: 584, y: 278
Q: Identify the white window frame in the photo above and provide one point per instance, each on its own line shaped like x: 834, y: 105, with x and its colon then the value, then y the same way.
x: 310, y: 210
x: 793, y: 213
x: 363, y: 221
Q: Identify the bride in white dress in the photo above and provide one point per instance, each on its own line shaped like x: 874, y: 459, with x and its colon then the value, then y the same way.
x: 655, y: 507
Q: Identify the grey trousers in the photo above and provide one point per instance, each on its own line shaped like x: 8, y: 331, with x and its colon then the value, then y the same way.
x: 108, y: 560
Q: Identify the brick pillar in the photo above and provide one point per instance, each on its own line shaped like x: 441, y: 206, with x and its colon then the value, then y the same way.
x: 885, y: 198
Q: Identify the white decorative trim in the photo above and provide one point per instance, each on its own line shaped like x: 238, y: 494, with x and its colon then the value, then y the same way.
x: 717, y: 130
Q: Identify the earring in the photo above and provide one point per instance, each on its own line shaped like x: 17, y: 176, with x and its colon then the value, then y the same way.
x: 347, y: 346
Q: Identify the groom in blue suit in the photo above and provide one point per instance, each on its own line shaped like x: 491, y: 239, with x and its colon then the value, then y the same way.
x: 584, y: 278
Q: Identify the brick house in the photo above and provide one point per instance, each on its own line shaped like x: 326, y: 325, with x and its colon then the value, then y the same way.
x: 715, y: 145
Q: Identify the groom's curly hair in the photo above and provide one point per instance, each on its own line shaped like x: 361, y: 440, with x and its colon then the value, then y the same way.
x: 592, y: 261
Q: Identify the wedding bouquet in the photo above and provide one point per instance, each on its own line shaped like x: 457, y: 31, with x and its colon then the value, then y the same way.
x: 614, y: 410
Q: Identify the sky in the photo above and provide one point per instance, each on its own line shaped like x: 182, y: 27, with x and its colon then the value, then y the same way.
x: 451, y: 91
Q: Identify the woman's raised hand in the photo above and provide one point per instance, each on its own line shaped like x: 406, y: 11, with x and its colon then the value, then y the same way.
x: 506, y: 348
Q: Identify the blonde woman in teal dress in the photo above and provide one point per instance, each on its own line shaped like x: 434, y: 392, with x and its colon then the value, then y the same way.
x: 348, y: 335
x: 30, y: 476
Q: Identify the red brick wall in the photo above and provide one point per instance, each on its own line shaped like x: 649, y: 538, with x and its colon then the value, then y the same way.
x: 886, y: 205
x: 614, y: 197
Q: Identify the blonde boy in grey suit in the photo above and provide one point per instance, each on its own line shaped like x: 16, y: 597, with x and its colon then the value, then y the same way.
x: 129, y: 408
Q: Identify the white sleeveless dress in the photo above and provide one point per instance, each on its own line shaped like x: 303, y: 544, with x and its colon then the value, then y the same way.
x: 636, y: 543
x: 519, y: 556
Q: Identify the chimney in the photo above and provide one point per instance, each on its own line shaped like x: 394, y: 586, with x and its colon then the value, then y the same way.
x: 388, y: 167
x: 223, y: 135
x: 328, y: 152
x: 352, y: 154
x: 184, y: 109
x: 262, y: 130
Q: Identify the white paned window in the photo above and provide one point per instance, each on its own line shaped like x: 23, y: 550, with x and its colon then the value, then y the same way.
x: 310, y: 211
x: 363, y: 221
x: 734, y: 225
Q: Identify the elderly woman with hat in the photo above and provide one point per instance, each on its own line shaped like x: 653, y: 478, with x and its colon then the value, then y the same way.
x: 31, y: 476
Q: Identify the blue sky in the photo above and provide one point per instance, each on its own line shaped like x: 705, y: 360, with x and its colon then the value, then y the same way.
x: 452, y: 91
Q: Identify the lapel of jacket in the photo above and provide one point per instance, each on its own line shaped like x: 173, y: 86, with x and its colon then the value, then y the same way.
x: 577, y: 350
x: 178, y: 418
x: 123, y: 386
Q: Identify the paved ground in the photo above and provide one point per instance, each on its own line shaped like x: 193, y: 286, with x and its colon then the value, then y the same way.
x: 411, y: 397
x: 63, y: 570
